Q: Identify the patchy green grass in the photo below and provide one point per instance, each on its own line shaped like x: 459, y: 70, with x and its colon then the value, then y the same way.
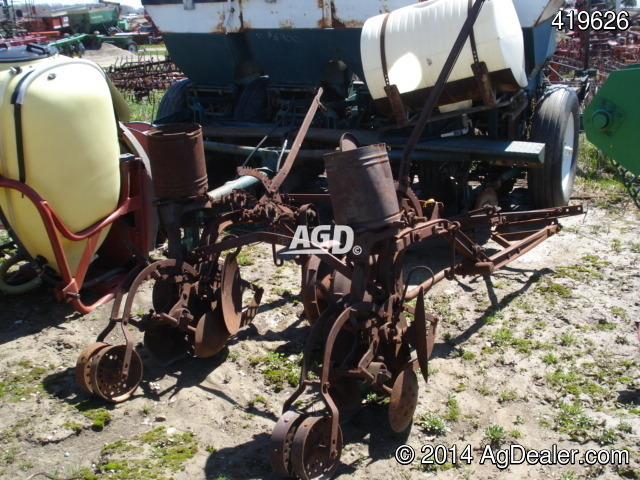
x: 22, y: 381
x: 279, y: 369
x: 153, y: 455
x: 144, y: 110
x: 96, y: 412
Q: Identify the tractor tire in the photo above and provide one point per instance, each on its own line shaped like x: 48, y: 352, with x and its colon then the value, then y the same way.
x: 173, y: 107
x: 555, y: 123
x: 132, y: 47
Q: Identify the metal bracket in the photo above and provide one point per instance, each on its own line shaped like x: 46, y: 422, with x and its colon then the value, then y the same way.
x: 481, y: 74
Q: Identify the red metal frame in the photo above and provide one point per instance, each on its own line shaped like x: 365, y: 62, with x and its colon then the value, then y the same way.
x: 133, y: 199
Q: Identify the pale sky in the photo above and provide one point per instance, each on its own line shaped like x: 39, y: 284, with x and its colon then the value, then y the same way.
x: 131, y: 3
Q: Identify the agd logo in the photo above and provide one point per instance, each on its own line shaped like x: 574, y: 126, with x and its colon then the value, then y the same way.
x: 335, y: 239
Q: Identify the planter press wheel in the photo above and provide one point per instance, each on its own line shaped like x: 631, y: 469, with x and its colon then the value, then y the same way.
x: 404, y: 399
x: 83, y: 365
x: 556, y: 123
x: 106, y: 376
x: 282, y: 441
x: 310, y: 451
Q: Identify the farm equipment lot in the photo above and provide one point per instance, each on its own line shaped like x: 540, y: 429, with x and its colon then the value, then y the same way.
x: 547, y: 350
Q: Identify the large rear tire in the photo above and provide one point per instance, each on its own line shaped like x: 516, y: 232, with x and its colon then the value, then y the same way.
x: 173, y: 106
x: 555, y: 123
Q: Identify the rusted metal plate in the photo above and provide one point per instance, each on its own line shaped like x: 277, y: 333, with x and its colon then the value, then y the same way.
x: 404, y: 399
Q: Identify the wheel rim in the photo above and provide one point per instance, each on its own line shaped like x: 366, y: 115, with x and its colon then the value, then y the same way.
x: 568, y: 150
x: 106, y: 374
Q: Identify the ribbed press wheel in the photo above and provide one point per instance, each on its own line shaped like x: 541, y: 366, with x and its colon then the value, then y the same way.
x: 310, y: 452
x: 106, y: 374
x: 282, y: 441
x: 83, y: 365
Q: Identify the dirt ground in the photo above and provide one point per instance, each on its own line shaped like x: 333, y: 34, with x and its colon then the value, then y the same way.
x: 543, y: 353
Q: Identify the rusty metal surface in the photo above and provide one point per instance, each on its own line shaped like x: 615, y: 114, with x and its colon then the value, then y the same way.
x: 353, y: 175
x: 404, y: 399
x: 312, y: 454
x: 106, y: 378
x: 282, y: 440
x: 83, y: 365
x: 177, y: 161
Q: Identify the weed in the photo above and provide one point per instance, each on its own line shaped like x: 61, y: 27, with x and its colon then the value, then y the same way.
x: 625, y: 427
x: 495, y: 434
x: 572, y: 421
x: 502, y: 337
x: 568, y: 339
x: 468, y: 355
x: 9, y: 455
x: 507, y: 396
x: 604, y: 325
x: 432, y: 424
x: 453, y: 409
x: 549, y: 359
x: 607, y: 437
x: 619, y: 312
x: 256, y: 400
x: 616, y: 245
x: 244, y: 260
x: 484, y: 390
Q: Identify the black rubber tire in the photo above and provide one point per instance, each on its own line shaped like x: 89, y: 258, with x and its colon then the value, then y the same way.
x: 434, y: 182
x: 132, y: 47
x: 555, y: 123
x: 173, y: 105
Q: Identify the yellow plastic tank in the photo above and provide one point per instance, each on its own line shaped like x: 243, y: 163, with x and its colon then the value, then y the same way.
x: 58, y: 135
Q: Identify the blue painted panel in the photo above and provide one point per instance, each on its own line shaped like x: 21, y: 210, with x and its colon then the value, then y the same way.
x: 209, y: 58
x: 300, y: 56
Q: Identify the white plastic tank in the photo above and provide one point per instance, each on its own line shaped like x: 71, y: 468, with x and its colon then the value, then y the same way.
x: 417, y: 42
x: 64, y: 145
